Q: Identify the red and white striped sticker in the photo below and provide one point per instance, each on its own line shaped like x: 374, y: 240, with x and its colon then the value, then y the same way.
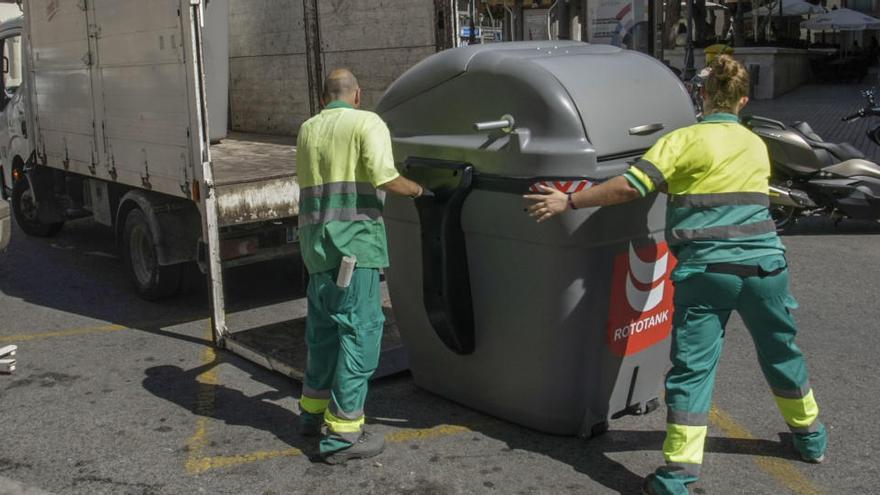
x: 568, y: 186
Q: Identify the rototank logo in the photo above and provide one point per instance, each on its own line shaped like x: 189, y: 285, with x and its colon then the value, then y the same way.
x: 641, y: 298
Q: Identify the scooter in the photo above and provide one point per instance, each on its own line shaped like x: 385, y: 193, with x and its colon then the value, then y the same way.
x: 810, y: 176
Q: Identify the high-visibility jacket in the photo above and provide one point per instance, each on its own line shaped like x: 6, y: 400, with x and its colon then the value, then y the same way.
x: 717, y: 175
x: 343, y: 155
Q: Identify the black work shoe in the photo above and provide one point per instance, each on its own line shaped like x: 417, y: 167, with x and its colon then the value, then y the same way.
x: 647, y: 487
x: 368, y: 445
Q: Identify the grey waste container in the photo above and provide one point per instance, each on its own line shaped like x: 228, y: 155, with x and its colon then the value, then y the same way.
x: 557, y: 326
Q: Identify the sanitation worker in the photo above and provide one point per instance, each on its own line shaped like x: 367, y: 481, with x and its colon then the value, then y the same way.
x: 716, y: 174
x: 343, y: 159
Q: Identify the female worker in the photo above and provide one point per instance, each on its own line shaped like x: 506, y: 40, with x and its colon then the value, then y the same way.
x: 716, y: 174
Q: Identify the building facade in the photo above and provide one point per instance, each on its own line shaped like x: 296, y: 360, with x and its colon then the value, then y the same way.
x: 280, y: 51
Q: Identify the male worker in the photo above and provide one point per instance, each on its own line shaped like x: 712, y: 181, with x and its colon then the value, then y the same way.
x: 729, y: 258
x: 343, y: 156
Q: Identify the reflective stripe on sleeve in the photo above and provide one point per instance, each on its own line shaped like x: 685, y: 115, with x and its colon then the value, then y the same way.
x: 652, y: 172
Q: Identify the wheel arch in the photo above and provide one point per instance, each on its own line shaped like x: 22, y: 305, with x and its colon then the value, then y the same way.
x: 175, y: 224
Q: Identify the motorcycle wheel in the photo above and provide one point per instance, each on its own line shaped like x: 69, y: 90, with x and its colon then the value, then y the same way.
x: 783, y: 216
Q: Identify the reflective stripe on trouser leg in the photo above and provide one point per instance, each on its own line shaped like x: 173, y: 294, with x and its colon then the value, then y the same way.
x: 800, y: 414
x: 348, y: 429
x: 314, y: 401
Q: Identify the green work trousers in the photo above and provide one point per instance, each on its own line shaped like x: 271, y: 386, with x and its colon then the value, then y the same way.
x: 344, y: 337
x: 703, y: 304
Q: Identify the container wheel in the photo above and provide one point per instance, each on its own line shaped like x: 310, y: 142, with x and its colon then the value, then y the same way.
x: 599, y: 429
x: 152, y: 281
x: 24, y: 208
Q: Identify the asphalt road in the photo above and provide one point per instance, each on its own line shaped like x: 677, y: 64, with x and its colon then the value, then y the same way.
x: 117, y: 395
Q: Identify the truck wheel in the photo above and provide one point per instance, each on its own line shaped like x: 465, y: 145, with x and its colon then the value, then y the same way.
x: 24, y: 208
x: 152, y: 281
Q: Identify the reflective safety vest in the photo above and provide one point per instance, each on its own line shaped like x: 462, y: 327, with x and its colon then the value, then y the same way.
x: 342, y: 156
x: 717, y: 175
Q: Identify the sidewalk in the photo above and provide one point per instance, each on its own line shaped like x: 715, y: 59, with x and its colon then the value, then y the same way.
x: 822, y: 106
x: 10, y: 487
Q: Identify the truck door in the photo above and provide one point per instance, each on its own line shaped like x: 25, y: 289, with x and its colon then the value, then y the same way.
x: 13, y: 138
x: 61, y: 98
x: 143, y: 109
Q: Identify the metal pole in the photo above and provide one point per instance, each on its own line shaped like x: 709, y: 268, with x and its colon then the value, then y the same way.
x: 564, y: 17
x: 585, y: 21
x: 313, y: 54
x: 472, y: 12
x: 781, y: 23
x: 689, y: 70
x: 519, y: 33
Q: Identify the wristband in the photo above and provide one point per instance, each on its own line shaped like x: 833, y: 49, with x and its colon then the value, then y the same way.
x: 418, y: 194
x: 571, y: 202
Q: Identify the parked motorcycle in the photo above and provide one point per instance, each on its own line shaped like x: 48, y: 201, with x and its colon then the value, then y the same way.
x: 812, y: 176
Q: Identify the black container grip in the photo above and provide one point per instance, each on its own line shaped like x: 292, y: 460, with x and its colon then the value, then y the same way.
x: 446, y: 279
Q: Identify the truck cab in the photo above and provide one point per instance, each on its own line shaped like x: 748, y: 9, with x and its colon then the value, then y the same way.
x: 14, y: 146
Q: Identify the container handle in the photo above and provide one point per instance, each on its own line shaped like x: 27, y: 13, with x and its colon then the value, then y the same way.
x: 505, y: 123
x: 644, y: 130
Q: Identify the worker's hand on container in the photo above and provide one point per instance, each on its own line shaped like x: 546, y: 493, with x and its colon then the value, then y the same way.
x: 547, y: 205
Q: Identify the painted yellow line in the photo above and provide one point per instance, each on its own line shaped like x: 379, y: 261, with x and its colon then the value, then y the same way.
x: 203, y: 464
x: 197, y: 464
x: 62, y: 333
x: 780, y: 469
x: 205, y: 399
x: 426, y: 434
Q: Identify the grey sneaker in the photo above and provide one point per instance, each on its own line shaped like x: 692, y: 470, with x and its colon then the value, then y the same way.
x: 368, y: 445
x: 813, y: 460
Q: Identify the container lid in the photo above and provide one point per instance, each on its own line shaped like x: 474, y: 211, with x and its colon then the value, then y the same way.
x: 621, y: 100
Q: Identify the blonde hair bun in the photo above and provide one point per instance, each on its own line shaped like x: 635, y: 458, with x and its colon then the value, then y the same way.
x: 727, y: 84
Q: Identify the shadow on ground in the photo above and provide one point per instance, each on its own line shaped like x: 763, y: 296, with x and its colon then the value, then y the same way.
x: 398, y: 403
x: 80, y: 272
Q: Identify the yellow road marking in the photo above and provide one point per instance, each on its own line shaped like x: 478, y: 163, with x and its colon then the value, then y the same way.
x: 204, y: 409
x: 62, y: 333
x: 780, y: 469
x: 202, y: 464
x: 197, y: 464
x: 426, y: 434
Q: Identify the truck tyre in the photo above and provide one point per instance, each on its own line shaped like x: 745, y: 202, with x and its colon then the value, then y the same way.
x: 152, y: 281
x: 24, y: 208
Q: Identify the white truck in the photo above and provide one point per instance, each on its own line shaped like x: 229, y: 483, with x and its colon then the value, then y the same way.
x: 107, y: 117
